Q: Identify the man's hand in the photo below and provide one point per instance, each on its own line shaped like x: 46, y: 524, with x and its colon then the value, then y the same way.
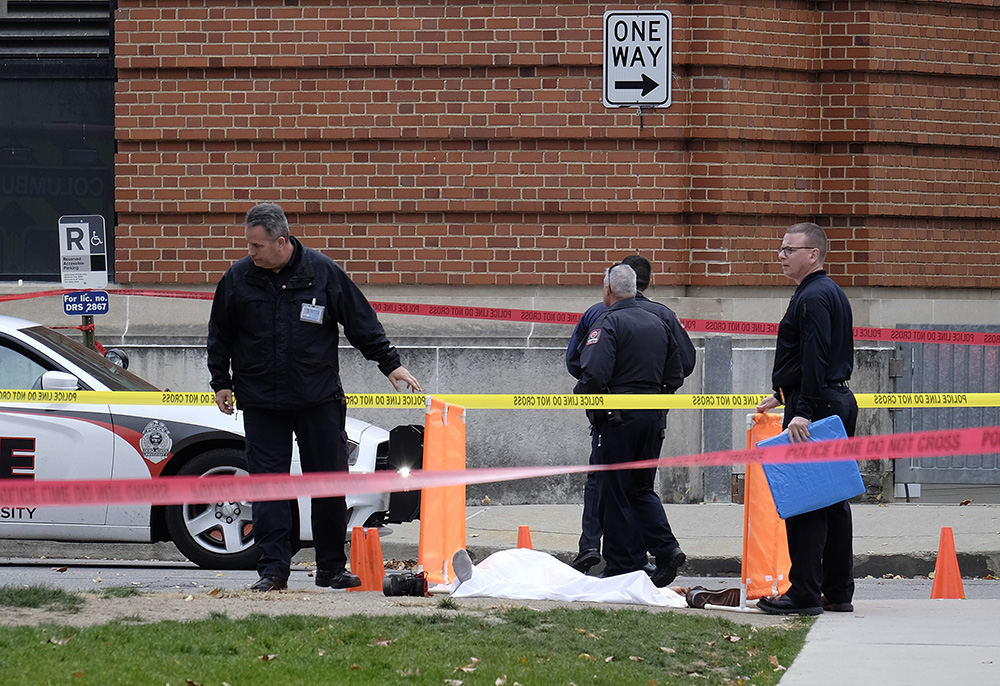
x: 768, y: 404
x: 798, y: 430
x: 400, y: 374
x: 224, y: 400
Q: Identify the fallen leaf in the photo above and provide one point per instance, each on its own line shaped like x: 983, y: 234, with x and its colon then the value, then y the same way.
x: 61, y: 641
x: 77, y: 675
x: 214, y: 592
x: 471, y: 667
x: 97, y: 580
x: 453, y: 682
x: 60, y: 569
x: 191, y: 682
x: 320, y: 652
x: 355, y: 667
x: 382, y: 642
x: 636, y: 658
x: 710, y: 644
x: 585, y: 656
x: 731, y: 638
x: 664, y: 649
x: 267, y: 658
x: 486, y: 500
x: 609, y: 658
x: 966, y: 501
x: 773, y: 659
x: 406, y: 672
x: 188, y: 599
x: 501, y: 680
x: 751, y: 652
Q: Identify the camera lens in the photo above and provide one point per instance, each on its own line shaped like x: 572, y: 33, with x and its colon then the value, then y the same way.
x: 405, y: 583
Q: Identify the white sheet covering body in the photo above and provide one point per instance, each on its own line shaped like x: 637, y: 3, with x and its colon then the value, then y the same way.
x: 526, y: 574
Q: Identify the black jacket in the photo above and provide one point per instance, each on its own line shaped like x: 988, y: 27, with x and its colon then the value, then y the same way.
x: 278, y: 360
x: 629, y: 350
x: 815, y: 346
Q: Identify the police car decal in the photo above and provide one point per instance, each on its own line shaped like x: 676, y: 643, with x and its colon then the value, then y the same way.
x: 593, y: 336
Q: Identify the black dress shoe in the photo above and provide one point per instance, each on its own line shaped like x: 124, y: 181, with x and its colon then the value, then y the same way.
x: 699, y: 596
x: 585, y: 560
x: 829, y: 606
x: 783, y: 605
x: 269, y: 583
x: 666, y: 571
x: 341, y: 579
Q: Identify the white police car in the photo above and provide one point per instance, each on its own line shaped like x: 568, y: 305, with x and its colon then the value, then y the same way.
x: 88, y: 441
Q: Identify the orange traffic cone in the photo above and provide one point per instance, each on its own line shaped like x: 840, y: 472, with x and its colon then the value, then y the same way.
x: 359, y: 556
x: 947, y: 577
x: 523, y: 537
x: 376, y: 564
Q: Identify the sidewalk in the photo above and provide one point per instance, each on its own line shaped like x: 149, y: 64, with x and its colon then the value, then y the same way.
x: 897, y: 539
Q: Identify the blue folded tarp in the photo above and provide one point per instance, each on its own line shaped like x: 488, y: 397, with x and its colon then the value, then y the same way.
x: 806, y: 486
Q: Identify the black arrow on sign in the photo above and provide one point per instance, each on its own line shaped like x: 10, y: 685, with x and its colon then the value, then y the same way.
x: 647, y: 84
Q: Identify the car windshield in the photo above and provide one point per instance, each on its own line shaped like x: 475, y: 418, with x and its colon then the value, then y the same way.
x: 111, y: 375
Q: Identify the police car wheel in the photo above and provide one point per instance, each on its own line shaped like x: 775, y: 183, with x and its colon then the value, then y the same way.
x: 214, y: 535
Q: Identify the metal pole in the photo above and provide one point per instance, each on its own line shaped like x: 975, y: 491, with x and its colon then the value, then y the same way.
x: 88, y: 331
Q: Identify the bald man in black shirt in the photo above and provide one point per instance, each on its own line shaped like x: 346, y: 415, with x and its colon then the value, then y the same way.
x: 813, y: 361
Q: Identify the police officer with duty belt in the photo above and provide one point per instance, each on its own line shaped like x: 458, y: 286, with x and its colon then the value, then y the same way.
x: 630, y: 350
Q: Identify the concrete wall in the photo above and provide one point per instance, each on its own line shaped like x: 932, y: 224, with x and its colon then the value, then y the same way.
x: 504, y: 438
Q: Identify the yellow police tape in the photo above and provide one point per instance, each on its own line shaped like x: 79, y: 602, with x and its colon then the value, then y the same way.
x: 517, y: 401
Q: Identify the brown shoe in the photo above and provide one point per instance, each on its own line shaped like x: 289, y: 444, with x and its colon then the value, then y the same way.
x: 699, y: 596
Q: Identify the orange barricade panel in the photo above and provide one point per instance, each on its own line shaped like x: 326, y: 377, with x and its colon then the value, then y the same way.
x: 765, y: 545
x: 442, y: 509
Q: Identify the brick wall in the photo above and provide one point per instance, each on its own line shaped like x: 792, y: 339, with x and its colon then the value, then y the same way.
x: 426, y: 141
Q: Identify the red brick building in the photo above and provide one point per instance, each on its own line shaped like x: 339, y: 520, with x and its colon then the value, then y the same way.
x: 466, y: 143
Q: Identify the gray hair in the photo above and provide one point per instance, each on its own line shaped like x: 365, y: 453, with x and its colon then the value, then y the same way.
x: 621, y: 280
x: 815, y: 236
x: 270, y: 217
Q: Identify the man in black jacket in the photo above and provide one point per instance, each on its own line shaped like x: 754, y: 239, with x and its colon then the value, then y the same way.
x: 274, y: 324
x: 590, y: 524
x: 630, y: 350
x: 813, y: 361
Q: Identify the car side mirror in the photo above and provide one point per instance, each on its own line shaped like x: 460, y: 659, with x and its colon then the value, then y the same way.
x: 118, y: 356
x: 59, y: 381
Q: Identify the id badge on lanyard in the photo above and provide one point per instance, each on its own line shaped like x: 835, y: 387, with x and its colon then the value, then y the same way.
x: 312, y: 313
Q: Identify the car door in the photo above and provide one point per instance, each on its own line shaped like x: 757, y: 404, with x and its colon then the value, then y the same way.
x: 48, y: 441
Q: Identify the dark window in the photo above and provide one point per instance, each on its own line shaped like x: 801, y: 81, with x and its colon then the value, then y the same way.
x: 57, y: 140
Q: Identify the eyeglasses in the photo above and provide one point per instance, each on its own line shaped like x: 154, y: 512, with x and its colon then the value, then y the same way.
x: 787, y: 249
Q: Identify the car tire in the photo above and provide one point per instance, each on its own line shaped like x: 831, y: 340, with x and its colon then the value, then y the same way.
x: 215, y: 535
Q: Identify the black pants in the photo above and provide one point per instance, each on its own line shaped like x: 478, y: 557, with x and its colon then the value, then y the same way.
x: 820, y: 543
x: 590, y: 524
x: 322, y: 448
x: 631, y: 513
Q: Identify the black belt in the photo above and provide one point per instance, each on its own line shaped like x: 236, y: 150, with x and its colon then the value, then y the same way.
x: 834, y: 384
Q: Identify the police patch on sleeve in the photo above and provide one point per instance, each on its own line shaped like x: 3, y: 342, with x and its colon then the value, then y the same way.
x: 593, y: 336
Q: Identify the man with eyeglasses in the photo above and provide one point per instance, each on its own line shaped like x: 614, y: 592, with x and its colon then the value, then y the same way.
x: 813, y: 361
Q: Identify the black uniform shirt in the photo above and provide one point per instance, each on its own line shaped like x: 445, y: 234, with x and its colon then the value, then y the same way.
x: 629, y: 350
x: 815, y: 345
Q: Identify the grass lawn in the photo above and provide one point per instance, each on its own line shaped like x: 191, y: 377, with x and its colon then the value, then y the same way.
x: 451, y: 647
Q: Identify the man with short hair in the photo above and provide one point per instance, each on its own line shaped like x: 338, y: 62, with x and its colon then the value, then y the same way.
x: 813, y: 361
x: 590, y: 537
x: 630, y: 350
x: 272, y: 341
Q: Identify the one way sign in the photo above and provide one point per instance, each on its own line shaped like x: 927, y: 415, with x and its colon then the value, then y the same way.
x: 637, y: 59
